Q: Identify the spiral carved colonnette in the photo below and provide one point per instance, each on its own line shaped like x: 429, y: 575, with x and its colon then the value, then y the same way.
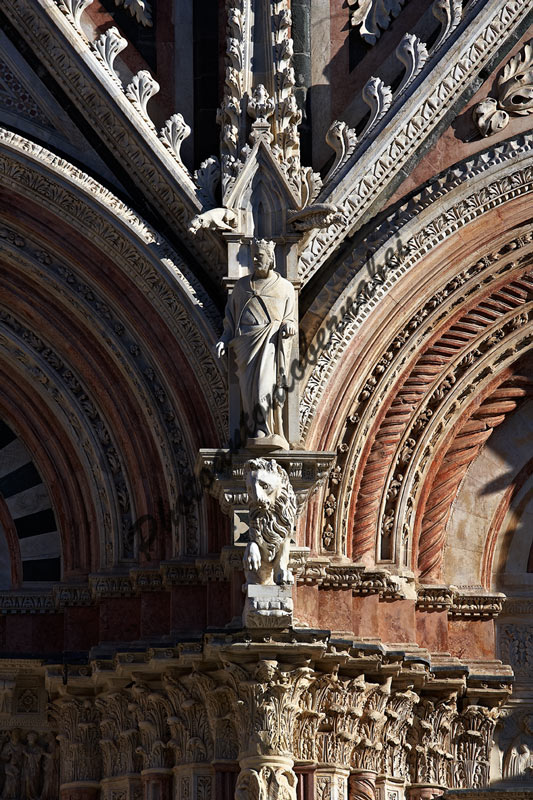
x: 410, y: 396
x: 460, y: 455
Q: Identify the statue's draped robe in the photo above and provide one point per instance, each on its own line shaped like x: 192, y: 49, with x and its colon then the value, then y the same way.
x: 255, y: 313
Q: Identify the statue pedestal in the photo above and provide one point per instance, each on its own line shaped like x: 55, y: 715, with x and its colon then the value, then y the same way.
x: 268, y: 607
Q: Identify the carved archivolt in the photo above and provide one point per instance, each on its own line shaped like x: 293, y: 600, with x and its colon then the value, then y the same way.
x: 374, y: 266
x: 394, y: 143
x: 387, y: 427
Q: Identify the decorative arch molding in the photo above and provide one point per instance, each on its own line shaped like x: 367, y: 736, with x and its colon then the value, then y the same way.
x: 494, y: 481
x: 85, y: 209
x: 434, y: 514
x: 457, y: 218
x: 97, y: 350
x: 416, y: 393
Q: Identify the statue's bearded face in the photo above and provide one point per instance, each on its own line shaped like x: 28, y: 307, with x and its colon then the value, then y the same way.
x: 263, y: 488
x: 263, y: 259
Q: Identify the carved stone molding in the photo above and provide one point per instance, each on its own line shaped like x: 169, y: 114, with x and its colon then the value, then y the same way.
x: 387, y: 262
x: 131, y: 137
x: 393, y: 145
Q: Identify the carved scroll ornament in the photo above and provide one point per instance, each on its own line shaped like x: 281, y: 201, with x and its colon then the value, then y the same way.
x: 514, y: 94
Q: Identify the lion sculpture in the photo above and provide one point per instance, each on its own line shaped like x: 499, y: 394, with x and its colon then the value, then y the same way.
x: 272, y: 506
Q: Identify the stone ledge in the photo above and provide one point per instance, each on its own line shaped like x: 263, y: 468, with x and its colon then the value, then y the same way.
x: 460, y: 602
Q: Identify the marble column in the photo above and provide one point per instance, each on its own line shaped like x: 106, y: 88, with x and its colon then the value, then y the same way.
x: 157, y: 783
x: 362, y: 785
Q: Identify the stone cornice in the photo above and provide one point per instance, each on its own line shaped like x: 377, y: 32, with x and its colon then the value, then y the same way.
x: 403, y: 130
x: 471, y: 603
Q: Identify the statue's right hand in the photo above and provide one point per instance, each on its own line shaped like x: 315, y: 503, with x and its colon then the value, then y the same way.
x: 220, y: 349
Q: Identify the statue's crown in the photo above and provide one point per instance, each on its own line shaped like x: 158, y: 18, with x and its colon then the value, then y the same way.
x: 263, y: 245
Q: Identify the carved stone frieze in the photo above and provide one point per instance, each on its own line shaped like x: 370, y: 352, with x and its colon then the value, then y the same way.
x: 265, y: 702
x: 373, y: 16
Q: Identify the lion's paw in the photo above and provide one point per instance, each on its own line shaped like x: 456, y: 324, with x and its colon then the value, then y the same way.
x: 252, y: 559
x: 284, y: 576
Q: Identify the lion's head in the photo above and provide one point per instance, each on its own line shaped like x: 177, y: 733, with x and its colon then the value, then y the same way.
x: 271, y: 501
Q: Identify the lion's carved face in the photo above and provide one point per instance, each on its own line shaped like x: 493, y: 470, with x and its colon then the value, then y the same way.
x: 271, y: 499
x: 264, y: 488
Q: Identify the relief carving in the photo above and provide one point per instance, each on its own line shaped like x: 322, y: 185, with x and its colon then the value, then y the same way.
x: 514, y: 94
x: 29, y: 766
x: 518, y: 758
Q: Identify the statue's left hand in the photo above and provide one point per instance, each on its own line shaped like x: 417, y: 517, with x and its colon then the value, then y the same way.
x: 288, y: 330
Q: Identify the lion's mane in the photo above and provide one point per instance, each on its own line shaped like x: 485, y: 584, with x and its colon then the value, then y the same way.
x: 271, y: 526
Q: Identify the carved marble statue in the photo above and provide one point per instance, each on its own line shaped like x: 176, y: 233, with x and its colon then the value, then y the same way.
x: 272, y: 505
x: 33, y: 754
x: 518, y: 760
x: 258, y: 325
x: 12, y: 755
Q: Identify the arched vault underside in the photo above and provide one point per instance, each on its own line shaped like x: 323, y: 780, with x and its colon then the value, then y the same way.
x: 112, y: 415
x: 424, y: 352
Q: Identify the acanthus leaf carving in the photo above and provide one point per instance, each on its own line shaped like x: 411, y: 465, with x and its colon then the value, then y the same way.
x: 140, y: 9
x: 207, y: 178
x: 449, y: 14
x: 188, y: 721
x: 149, y: 709
x: 173, y: 133
x: 378, y: 97
x: 142, y: 87
x: 75, y: 8
x: 413, y: 54
x: 514, y: 94
x: 108, y: 45
x: 343, y: 140
x: 373, y: 16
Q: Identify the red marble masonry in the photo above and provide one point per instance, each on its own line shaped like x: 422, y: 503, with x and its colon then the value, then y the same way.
x: 157, y: 784
x: 48, y: 633
x: 155, y: 614
x: 471, y: 638
x: 396, y: 621
x: 218, y: 604
x: 81, y: 628
x: 462, y: 139
x: 432, y: 630
x: 18, y: 634
x: 236, y: 593
x: 335, y: 609
x: 72, y: 792
x: 225, y: 780
x: 306, y: 600
x: 188, y: 608
x: 120, y: 619
x: 365, y: 615
x: 305, y: 788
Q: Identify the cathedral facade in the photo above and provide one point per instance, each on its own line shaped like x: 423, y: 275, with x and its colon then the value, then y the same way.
x: 266, y: 314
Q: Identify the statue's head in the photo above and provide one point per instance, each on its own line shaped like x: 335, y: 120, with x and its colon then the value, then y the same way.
x: 271, y: 498
x: 263, y: 257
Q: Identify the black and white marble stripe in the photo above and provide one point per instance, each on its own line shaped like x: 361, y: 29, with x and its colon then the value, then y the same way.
x: 28, y: 502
